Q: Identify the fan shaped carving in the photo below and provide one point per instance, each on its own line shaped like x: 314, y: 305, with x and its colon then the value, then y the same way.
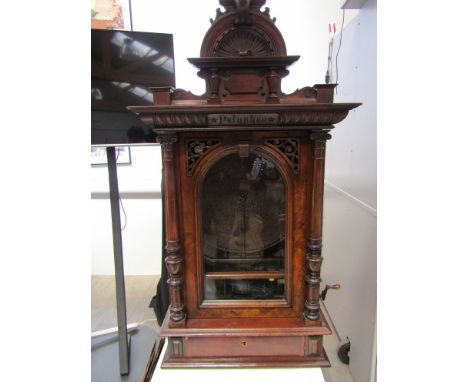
x: 243, y: 42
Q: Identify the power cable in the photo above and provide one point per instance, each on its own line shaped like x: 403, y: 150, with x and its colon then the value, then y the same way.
x: 120, y: 199
x: 338, y: 51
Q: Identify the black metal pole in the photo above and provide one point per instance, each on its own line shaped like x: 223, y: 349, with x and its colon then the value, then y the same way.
x: 118, y: 262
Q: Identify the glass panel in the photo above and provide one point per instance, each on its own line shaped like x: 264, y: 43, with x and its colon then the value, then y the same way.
x: 263, y: 289
x: 243, y: 222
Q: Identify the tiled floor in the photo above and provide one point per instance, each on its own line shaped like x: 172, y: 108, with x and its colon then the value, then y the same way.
x: 140, y: 290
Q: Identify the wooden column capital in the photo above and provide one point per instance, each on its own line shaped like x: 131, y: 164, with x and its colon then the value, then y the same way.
x: 167, y: 141
x: 319, y: 138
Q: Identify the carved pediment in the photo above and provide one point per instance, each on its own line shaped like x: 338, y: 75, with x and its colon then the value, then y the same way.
x: 243, y: 30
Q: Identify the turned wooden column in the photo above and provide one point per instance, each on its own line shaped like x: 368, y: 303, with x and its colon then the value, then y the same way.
x: 214, y: 80
x: 174, y: 259
x: 314, y: 243
x: 273, y: 79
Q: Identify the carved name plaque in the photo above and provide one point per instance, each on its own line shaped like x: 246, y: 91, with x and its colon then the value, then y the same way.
x: 243, y: 119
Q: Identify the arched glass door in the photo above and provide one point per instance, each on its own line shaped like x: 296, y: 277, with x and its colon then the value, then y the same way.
x: 243, y: 213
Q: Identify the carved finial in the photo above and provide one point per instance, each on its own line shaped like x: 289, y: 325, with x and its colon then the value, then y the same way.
x: 242, y: 4
x: 242, y: 12
x: 230, y: 5
x: 242, y: 9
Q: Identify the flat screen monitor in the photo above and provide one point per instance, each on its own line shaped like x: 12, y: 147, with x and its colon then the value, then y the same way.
x: 124, y: 66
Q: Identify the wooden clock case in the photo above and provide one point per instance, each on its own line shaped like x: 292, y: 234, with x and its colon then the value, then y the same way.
x: 237, y: 305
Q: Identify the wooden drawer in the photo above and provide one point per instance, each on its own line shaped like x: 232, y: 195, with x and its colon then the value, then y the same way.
x: 243, y: 346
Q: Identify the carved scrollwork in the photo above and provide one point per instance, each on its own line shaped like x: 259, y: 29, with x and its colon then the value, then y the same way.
x: 219, y: 13
x: 313, y: 118
x: 184, y: 95
x: 305, y: 92
x: 193, y: 119
x: 202, y: 118
x: 196, y: 149
x: 290, y: 148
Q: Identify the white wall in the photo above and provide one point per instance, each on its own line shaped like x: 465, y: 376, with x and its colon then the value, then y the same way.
x: 350, y: 215
x: 140, y: 190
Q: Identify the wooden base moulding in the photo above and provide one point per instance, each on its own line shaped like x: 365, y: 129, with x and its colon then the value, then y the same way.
x: 214, y: 343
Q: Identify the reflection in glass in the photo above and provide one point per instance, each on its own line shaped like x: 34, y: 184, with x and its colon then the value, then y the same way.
x: 243, y: 222
x: 239, y: 289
